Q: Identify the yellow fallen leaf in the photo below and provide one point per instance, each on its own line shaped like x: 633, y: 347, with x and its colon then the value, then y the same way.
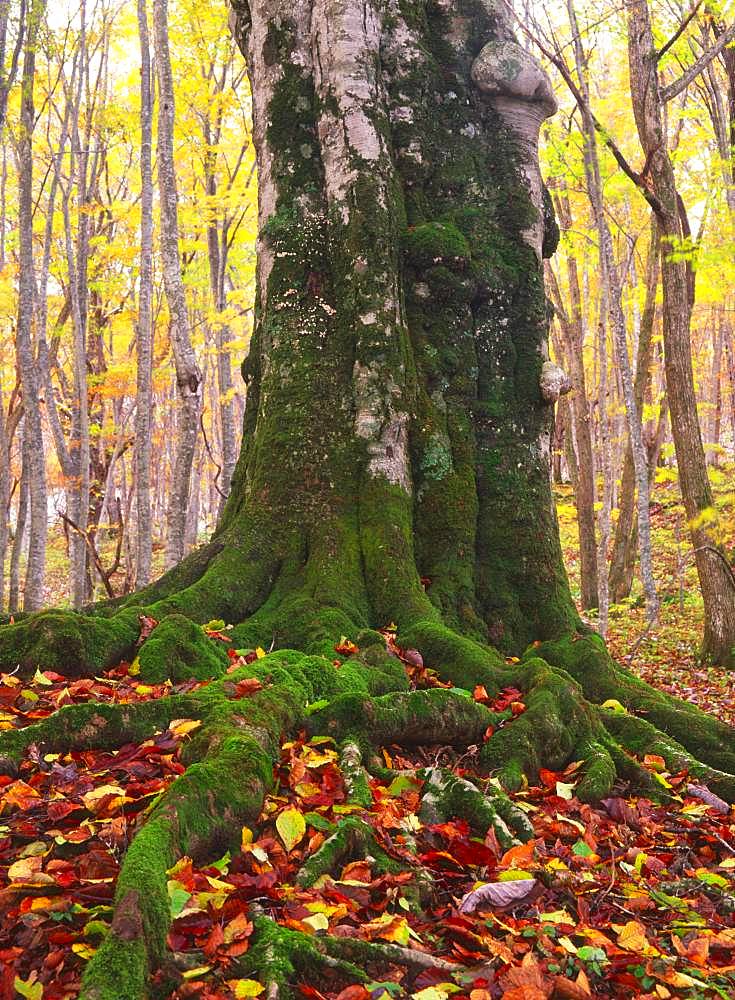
x: 181, y: 727
x: 243, y: 988
x: 84, y: 951
x: 632, y: 937
x: 94, y: 800
x: 291, y: 827
x: 200, y: 970
x: 317, y: 922
x: 25, y: 869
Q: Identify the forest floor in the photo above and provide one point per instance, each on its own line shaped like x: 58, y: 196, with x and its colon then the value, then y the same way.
x: 626, y: 898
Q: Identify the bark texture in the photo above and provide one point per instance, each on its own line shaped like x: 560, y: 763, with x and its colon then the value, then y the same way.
x: 188, y: 375
x: 144, y: 339
x: 33, y: 433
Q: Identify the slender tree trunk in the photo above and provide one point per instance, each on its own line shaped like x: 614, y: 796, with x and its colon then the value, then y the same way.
x: 715, y: 574
x: 730, y: 347
x: 188, y: 375
x: 611, y: 279
x: 4, y: 497
x: 144, y: 340
x: 605, y: 470
x: 572, y: 323
x: 716, y: 391
x: 33, y: 596
x: 21, y: 526
x: 622, y: 561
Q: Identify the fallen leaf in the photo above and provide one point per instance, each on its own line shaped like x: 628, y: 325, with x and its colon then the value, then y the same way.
x: 498, y: 894
x: 291, y: 827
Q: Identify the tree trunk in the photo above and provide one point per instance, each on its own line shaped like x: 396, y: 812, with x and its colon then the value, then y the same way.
x: 21, y: 523
x: 612, y: 283
x: 397, y: 428
x: 35, y: 571
x: 572, y: 323
x: 188, y: 376
x: 716, y: 577
x: 716, y: 391
x: 5, y: 475
x: 144, y: 339
x: 622, y: 561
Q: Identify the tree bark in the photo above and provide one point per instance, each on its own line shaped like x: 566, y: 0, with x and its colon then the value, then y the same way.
x: 572, y: 324
x: 21, y: 524
x: 188, y: 375
x: 33, y: 596
x: 622, y: 560
x: 715, y: 573
x: 144, y: 339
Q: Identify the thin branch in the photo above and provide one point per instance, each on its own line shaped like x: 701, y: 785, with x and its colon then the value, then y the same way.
x: 679, y: 31
x: 674, y: 89
x: 556, y: 60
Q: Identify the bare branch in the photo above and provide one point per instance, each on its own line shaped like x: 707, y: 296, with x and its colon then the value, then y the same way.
x: 674, y: 89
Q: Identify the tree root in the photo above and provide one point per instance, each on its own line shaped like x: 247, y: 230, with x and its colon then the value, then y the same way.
x: 279, y: 956
x: 353, y: 838
x: 364, y: 703
x: 409, y: 718
x: 445, y: 796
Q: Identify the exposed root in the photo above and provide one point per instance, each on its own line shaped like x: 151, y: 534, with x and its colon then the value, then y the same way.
x: 354, y: 774
x: 446, y: 796
x: 378, y: 953
x: 74, y: 645
x: 352, y: 839
x: 409, y: 718
x: 203, y: 811
x: 279, y: 956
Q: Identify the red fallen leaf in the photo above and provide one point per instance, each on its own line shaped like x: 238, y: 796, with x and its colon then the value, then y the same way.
x: 346, y: 647
x: 488, y: 733
x: 356, y: 992
x: 147, y: 624
x: 548, y: 778
x: 309, y: 991
x: 214, y: 940
x: 247, y: 686
x: 472, y: 852
x: 504, y: 700
x: 59, y: 809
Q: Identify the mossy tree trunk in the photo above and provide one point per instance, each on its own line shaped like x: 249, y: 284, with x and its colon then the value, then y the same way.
x: 395, y: 467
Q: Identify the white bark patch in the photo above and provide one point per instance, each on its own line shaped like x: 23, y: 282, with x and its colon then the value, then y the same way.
x: 384, y: 429
x: 346, y: 39
x: 520, y: 91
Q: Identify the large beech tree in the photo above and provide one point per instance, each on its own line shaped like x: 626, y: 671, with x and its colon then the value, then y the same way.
x: 395, y: 467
